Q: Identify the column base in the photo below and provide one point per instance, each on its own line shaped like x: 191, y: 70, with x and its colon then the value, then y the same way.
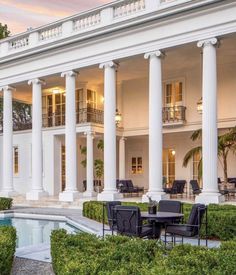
x: 8, y: 193
x: 207, y: 198
x: 36, y: 195
x: 109, y: 196
x: 69, y: 196
x: 90, y: 194
x: 156, y: 196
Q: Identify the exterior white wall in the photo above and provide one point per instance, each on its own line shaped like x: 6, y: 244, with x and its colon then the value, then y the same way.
x: 135, y: 98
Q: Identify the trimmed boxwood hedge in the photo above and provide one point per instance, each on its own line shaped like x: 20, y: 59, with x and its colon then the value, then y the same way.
x: 5, y: 203
x: 221, y: 218
x: 7, y: 248
x: 86, y: 254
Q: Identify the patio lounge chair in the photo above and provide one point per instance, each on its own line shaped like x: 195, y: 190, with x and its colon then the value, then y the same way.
x: 193, y: 226
x: 195, y: 187
x: 177, y: 187
x: 129, y: 222
x: 126, y: 186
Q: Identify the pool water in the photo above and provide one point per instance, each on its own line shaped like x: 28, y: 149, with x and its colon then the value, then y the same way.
x: 35, y: 232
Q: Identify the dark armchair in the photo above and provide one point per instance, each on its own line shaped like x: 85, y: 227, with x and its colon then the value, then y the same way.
x: 193, y: 226
x: 129, y: 222
x: 111, y: 215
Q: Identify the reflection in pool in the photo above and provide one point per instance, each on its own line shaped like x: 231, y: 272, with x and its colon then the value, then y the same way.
x: 35, y: 232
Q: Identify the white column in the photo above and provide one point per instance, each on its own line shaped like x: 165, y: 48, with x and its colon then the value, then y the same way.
x: 210, y: 192
x: 110, y: 192
x: 37, y: 191
x: 155, y: 190
x: 89, y: 168
x: 7, y: 184
x: 122, y: 158
x: 71, y: 191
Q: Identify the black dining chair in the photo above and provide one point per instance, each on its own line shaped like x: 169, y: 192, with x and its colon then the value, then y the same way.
x: 111, y: 215
x: 170, y: 206
x: 130, y: 223
x: 193, y: 226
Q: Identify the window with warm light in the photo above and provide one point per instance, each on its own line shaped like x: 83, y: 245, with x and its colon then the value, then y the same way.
x: 137, y: 165
x: 196, y: 160
x: 173, y: 93
x: 169, y: 165
x: 16, y: 160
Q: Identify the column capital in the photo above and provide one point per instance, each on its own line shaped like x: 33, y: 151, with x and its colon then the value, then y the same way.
x: 123, y: 138
x: 89, y: 133
x: 69, y: 73
x: 108, y: 64
x: 157, y: 53
x: 7, y: 88
x: 36, y: 81
x: 211, y: 41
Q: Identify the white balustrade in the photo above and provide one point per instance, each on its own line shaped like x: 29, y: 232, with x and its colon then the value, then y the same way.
x: 18, y: 43
x: 128, y: 8
x: 86, y: 22
x: 50, y: 33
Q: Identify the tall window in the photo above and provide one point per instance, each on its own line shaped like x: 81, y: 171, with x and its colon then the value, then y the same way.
x: 63, y: 167
x: 173, y: 93
x: 196, y: 160
x: 91, y: 99
x: 169, y: 165
x: 137, y: 165
x: 16, y: 160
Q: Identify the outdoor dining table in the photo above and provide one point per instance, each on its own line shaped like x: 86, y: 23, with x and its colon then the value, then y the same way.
x: 159, y: 219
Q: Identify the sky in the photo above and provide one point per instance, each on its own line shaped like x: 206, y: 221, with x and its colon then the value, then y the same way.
x: 22, y: 14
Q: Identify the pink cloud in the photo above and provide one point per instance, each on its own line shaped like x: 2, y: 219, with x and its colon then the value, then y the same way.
x: 19, y: 15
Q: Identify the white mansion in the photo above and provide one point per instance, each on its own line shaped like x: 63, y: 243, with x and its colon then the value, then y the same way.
x: 130, y: 72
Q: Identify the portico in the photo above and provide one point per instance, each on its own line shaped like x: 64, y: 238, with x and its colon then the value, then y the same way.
x: 159, y: 85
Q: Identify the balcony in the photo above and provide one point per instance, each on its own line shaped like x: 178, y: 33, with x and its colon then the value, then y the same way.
x: 173, y: 116
x: 86, y: 115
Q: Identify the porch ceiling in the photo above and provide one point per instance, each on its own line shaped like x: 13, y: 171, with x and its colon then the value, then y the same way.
x: 177, y: 61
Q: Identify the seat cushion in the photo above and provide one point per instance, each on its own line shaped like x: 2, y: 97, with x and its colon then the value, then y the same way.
x: 180, y: 230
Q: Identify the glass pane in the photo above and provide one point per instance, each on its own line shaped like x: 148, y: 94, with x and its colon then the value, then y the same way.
x: 178, y: 92
x: 49, y: 100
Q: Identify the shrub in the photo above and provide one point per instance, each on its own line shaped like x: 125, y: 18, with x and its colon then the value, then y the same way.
x: 5, y: 203
x: 118, y: 255
x: 7, y: 248
x: 221, y: 218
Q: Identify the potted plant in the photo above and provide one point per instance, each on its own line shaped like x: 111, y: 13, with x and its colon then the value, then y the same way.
x: 152, y: 206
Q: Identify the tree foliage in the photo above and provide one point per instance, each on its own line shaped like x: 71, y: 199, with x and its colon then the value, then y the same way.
x: 4, y: 31
x: 21, y: 115
x: 226, y: 143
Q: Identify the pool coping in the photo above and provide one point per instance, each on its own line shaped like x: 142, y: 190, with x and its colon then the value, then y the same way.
x: 49, y: 217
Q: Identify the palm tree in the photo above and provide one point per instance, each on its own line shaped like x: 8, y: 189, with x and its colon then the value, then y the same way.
x: 226, y: 143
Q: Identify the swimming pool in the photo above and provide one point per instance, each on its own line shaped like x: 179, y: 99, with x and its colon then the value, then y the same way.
x: 35, y: 231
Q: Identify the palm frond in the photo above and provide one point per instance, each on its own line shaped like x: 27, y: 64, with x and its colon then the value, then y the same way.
x: 196, y: 135
x: 189, y: 155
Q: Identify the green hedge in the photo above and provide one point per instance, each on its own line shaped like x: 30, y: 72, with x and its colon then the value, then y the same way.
x: 221, y: 218
x: 86, y: 254
x: 7, y: 249
x: 5, y: 203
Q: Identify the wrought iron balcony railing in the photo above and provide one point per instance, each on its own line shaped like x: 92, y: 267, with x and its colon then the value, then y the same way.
x: 86, y: 115
x: 174, y: 115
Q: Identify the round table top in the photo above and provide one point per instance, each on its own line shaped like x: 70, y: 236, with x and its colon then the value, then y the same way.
x: 161, y: 215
